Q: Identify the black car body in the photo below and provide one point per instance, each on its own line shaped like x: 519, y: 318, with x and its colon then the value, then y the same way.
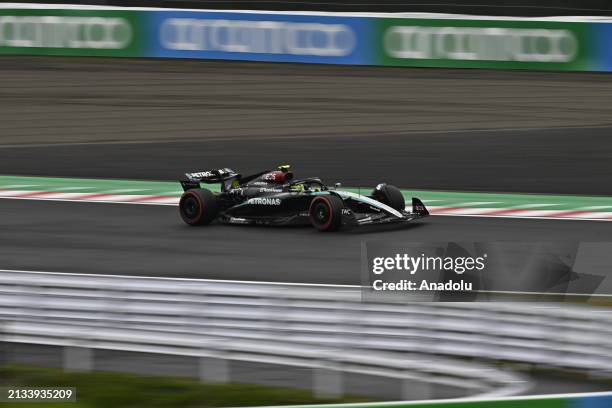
x: 276, y: 198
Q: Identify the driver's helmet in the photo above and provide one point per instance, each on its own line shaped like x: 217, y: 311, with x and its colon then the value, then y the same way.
x: 300, y: 187
x: 316, y: 188
x: 297, y: 188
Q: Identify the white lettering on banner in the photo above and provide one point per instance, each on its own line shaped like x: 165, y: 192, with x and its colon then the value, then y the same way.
x: 258, y: 37
x: 65, y: 32
x: 481, y: 44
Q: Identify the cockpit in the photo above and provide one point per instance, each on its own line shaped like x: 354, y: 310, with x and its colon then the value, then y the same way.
x: 307, y: 185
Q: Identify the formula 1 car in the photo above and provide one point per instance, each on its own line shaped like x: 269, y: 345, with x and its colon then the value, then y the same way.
x: 276, y: 198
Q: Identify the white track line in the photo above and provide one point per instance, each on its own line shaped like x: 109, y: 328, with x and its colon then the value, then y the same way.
x: 327, y: 285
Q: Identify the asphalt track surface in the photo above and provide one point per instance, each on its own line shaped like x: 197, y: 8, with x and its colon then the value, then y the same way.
x: 551, y: 161
x: 538, y: 132
x: 153, y: 241
x: 154, y: 119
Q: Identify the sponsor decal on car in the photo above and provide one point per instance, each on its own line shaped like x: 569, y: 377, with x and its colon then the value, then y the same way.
x: 269, y: 177
x: 419, y: 208
x: 264, y: 201
x: 211, y: 173
x: 200, y: 174
x: 234, y: 220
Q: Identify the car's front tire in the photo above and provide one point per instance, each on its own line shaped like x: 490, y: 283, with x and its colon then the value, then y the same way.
x: 198, y: 206
x: 391, y: 196
x: 326, y: 213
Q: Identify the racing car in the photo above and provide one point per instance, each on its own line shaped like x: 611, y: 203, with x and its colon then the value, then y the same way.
x: 274, y: 197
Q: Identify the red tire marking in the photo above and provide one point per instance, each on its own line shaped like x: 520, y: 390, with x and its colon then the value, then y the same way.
x: 329, y: 207
x: 201, y: 204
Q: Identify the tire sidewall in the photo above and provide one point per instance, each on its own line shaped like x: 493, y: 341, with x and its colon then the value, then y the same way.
x: 207, y: 208
x: 393, y: 197
x: 334, y: 207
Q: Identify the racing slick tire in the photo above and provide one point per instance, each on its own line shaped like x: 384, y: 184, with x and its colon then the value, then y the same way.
x: 326, y: 213
x: 391, y: 196
x: 198, y: 206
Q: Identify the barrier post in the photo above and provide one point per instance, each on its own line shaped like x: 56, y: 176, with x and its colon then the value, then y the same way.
x: 76, y: 358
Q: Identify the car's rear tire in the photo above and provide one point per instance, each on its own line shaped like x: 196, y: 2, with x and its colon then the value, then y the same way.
x: 198, y: 206
x: 391, y: 196
x: 326, y: 213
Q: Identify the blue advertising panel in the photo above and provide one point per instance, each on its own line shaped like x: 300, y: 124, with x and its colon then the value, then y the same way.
x: 259, y: 37
x: 601, y: 46
x: 594, y: 401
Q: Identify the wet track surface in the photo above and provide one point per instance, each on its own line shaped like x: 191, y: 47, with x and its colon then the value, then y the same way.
x: 416, y: 128
x: 550, y: 161
x: 153, y: 241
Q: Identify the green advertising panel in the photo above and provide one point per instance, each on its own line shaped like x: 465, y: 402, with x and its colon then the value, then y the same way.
x: 69, y: 32
x: 509, y: 44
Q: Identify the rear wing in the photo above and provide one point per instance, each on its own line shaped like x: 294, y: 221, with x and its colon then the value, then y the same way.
x: 224, y: 176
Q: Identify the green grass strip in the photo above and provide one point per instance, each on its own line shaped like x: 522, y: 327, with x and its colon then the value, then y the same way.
x: 113, y: 390
x: 106, y: 390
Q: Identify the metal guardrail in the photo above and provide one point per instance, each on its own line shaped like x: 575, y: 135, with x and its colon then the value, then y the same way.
x: 328, y: 329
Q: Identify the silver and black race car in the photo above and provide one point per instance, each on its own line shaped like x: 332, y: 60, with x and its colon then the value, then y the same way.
x: 274, y: 197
